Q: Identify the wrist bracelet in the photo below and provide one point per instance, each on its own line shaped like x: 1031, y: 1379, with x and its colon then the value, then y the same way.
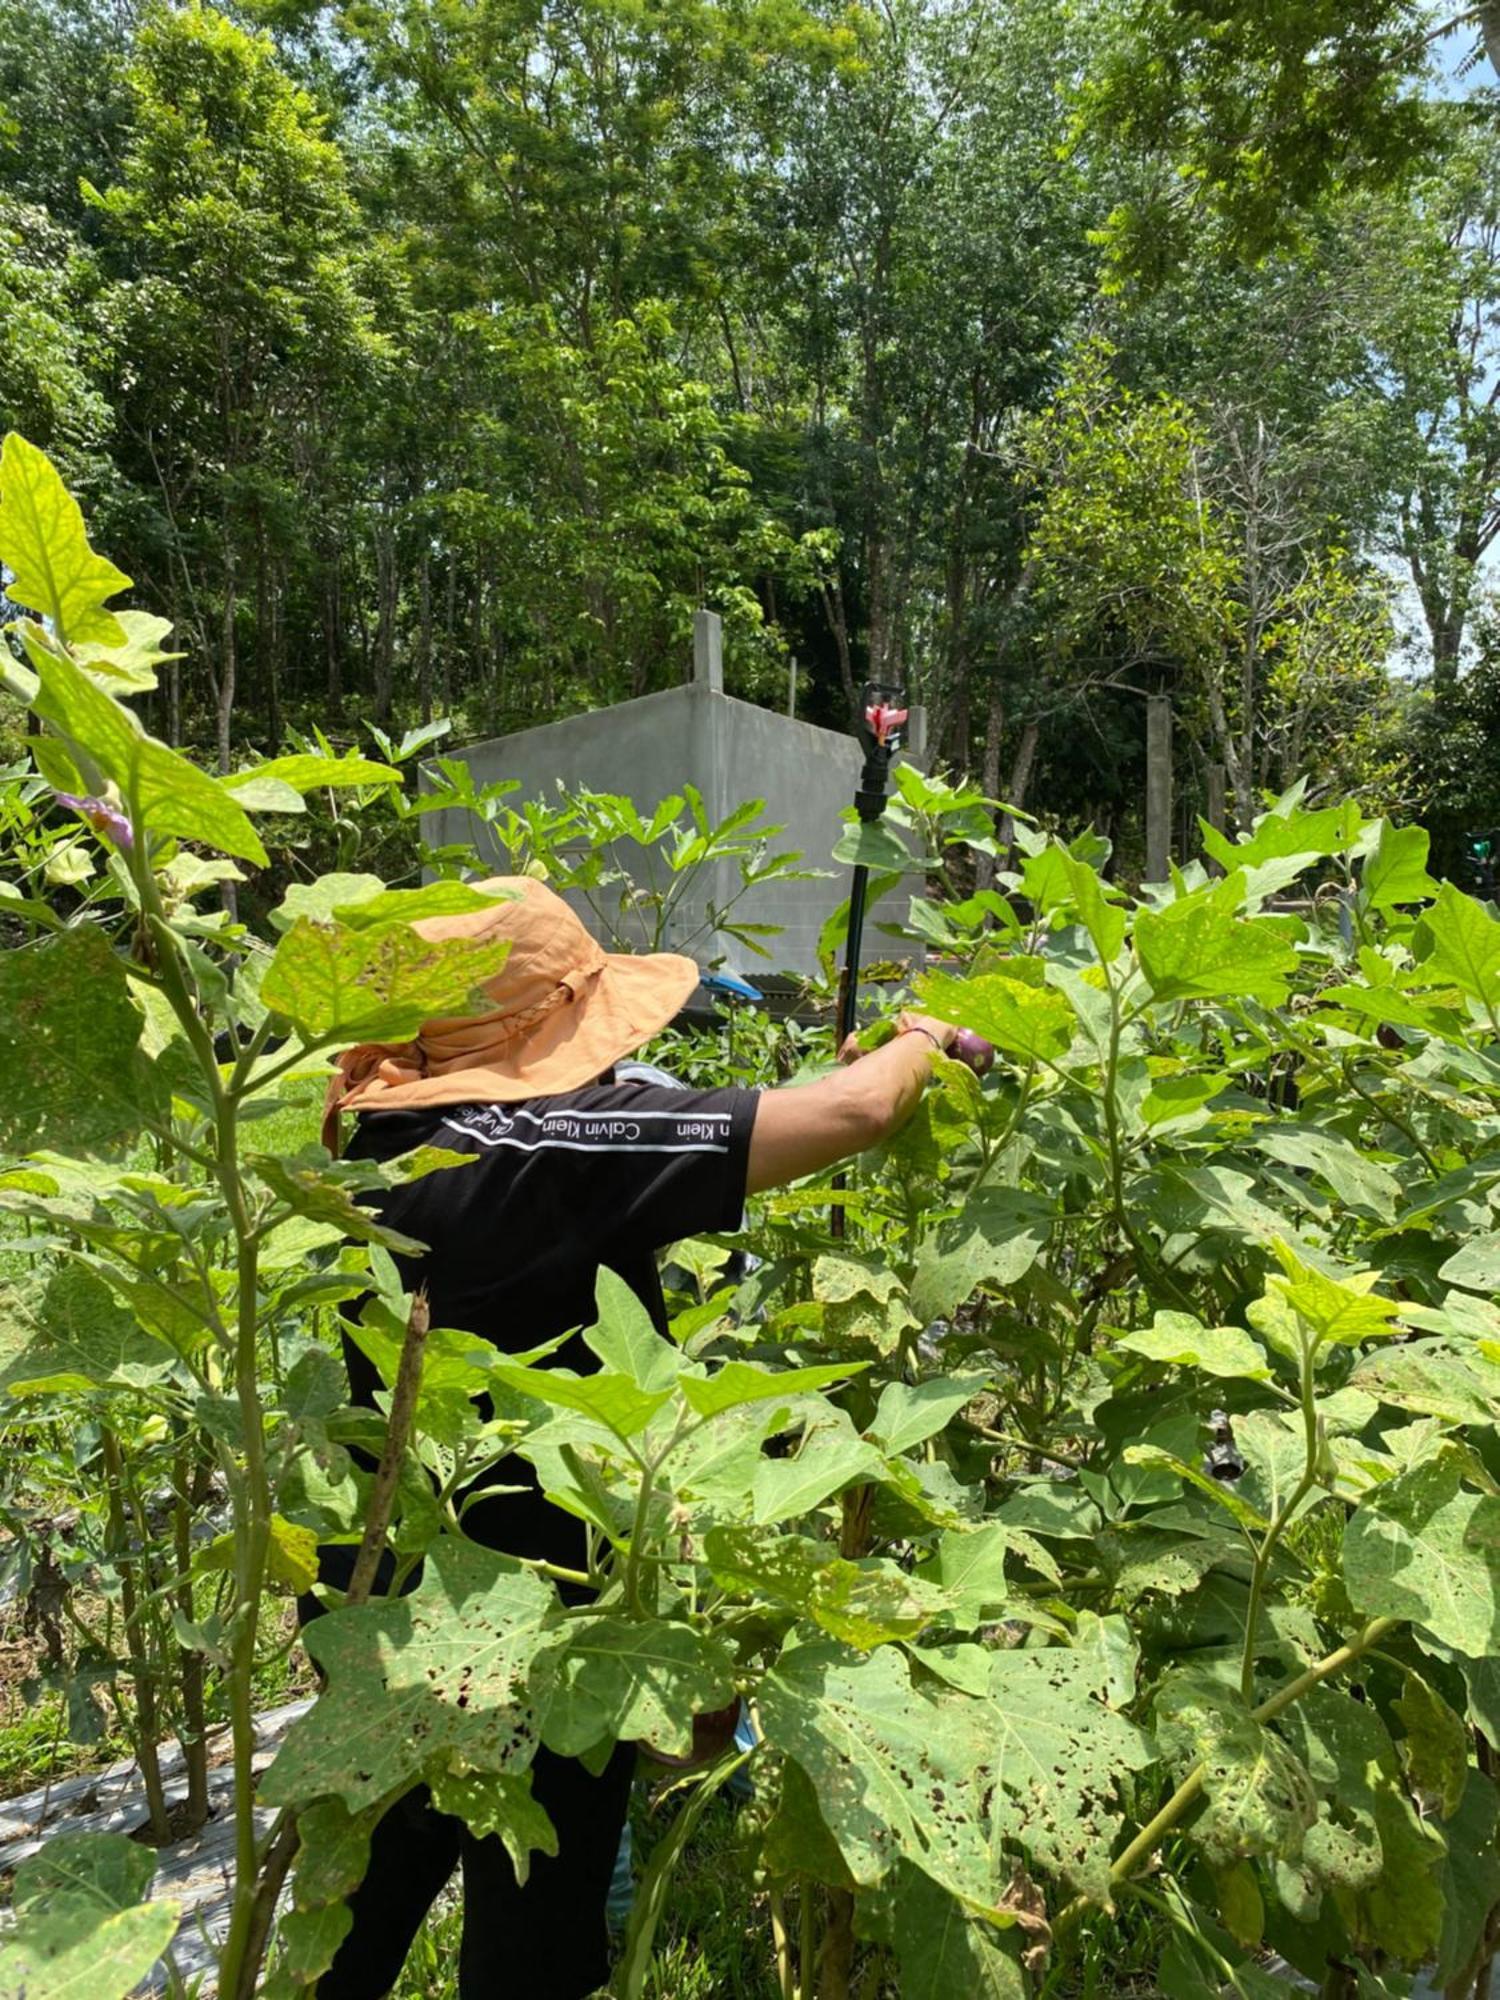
x: 928, y: 1033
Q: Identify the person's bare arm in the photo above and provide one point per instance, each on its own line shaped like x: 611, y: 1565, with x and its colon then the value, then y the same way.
x: 801, y: 1128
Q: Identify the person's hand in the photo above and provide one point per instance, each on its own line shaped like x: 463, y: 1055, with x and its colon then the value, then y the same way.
x: 942, y: 1032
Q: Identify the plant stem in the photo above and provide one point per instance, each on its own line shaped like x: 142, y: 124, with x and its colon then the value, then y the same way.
x: 397, y: 1432
x: 807, y: 1985
x: 141, y: 1671
x: 189, y: 1661
x: 783, y: 1944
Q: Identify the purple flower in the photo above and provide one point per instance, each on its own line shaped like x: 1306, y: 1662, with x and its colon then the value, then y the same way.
x: 102, y: 817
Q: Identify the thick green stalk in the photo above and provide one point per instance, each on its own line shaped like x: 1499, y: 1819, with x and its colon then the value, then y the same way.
x: 252, y: 1515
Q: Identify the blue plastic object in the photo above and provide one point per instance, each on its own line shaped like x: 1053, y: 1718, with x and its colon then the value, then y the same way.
x: 731, y: 983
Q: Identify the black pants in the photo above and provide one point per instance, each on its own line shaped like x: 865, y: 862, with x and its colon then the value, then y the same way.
x: 544, y: 1942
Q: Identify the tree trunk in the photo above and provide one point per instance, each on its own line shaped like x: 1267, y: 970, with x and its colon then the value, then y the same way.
x: 385, y: 626
x: 333, y: 630
x: 424, y: 635
x: 1022, y: 765
x: 228, y: 663
x: 989, y: 776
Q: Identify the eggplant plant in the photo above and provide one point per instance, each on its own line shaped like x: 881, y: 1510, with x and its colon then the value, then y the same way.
x: 1106, y: 1524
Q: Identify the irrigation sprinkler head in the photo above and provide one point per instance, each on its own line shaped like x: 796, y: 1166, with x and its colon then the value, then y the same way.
x: 880, y: 722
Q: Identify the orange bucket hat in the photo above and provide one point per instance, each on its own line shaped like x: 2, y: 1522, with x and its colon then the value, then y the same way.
x: 564, y: 1010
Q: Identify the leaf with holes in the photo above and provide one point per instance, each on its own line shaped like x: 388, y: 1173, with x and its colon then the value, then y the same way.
x: 332, y: 980
x: 1259, y: 1797
x: 72, y: 1072
x: 1033, y: 1022
x: 454, y: 1674
x: 1059, y: 1755
x: 900, y: 1771
x: 71, y: 1335
x: 637, y: 1681
x: 498, y: 1802
x: 1423, y: 1547
x: 82, y: 1930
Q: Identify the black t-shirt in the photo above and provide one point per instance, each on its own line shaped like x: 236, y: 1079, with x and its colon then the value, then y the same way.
x: 560, y: 1185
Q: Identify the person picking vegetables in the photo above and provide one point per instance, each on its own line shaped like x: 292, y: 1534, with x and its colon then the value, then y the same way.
x: 572, y: 1171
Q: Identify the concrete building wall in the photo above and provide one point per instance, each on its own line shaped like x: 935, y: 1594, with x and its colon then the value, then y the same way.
x: 732, y: 751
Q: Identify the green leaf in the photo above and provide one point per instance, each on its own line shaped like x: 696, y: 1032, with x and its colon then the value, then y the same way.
x: 969, y: 1567
x: 129, y: 668
x: 1347, y: 1309
x: 306, y: 772
x: 1199, y: 948
x: 44, y: 544
x: 899, y: 1771
x: 1056, y: 880
x: 996, y: 1238
x: 1278, y: 835
x: 164, y: 792
x: 72, y: 1074
x: 410, y: 906
x: 498, y: 1802
x: 1397, y: 871
x: 909, y: 1412
x: 864, y: 1604
x: 874, y: 844
x: 1469, y: 1881
x: 624, y: 1338
x: 331, y: 981
x: 320, y: 899
x: 1465, y: 941
x: 313, y: 1192
x: 1359, y: 1182
x: 827, y: 1460
x: 942, y: 1952
x: 449, y: 1677
x: 72, y: 1335
x: 1422, y: 1547
x: 1035, y: 1022
x: 1172, y: 1099
x: 1183, y: 1341
x: 635, y: 1681
x: 291, y: 1554
x: 1435, y: 1748
x: 1060, y: 1755
x: 1259, y: 1797
x: 740, y: 1382
x: 1475, y: 1265
x: 611, y: 1399
x: 83, y: 1932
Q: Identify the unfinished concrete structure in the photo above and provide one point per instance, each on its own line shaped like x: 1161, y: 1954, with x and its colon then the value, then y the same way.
x: 732, y: 751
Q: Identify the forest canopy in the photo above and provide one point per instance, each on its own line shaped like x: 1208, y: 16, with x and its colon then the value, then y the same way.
x: 421, y: 360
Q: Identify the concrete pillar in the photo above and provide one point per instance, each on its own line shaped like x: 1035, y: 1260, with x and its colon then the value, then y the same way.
x: 708, y: 650
x: 791, y: 686
x: 916, y: 732
x: 1217, y: 794
x: 1158, y: 787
